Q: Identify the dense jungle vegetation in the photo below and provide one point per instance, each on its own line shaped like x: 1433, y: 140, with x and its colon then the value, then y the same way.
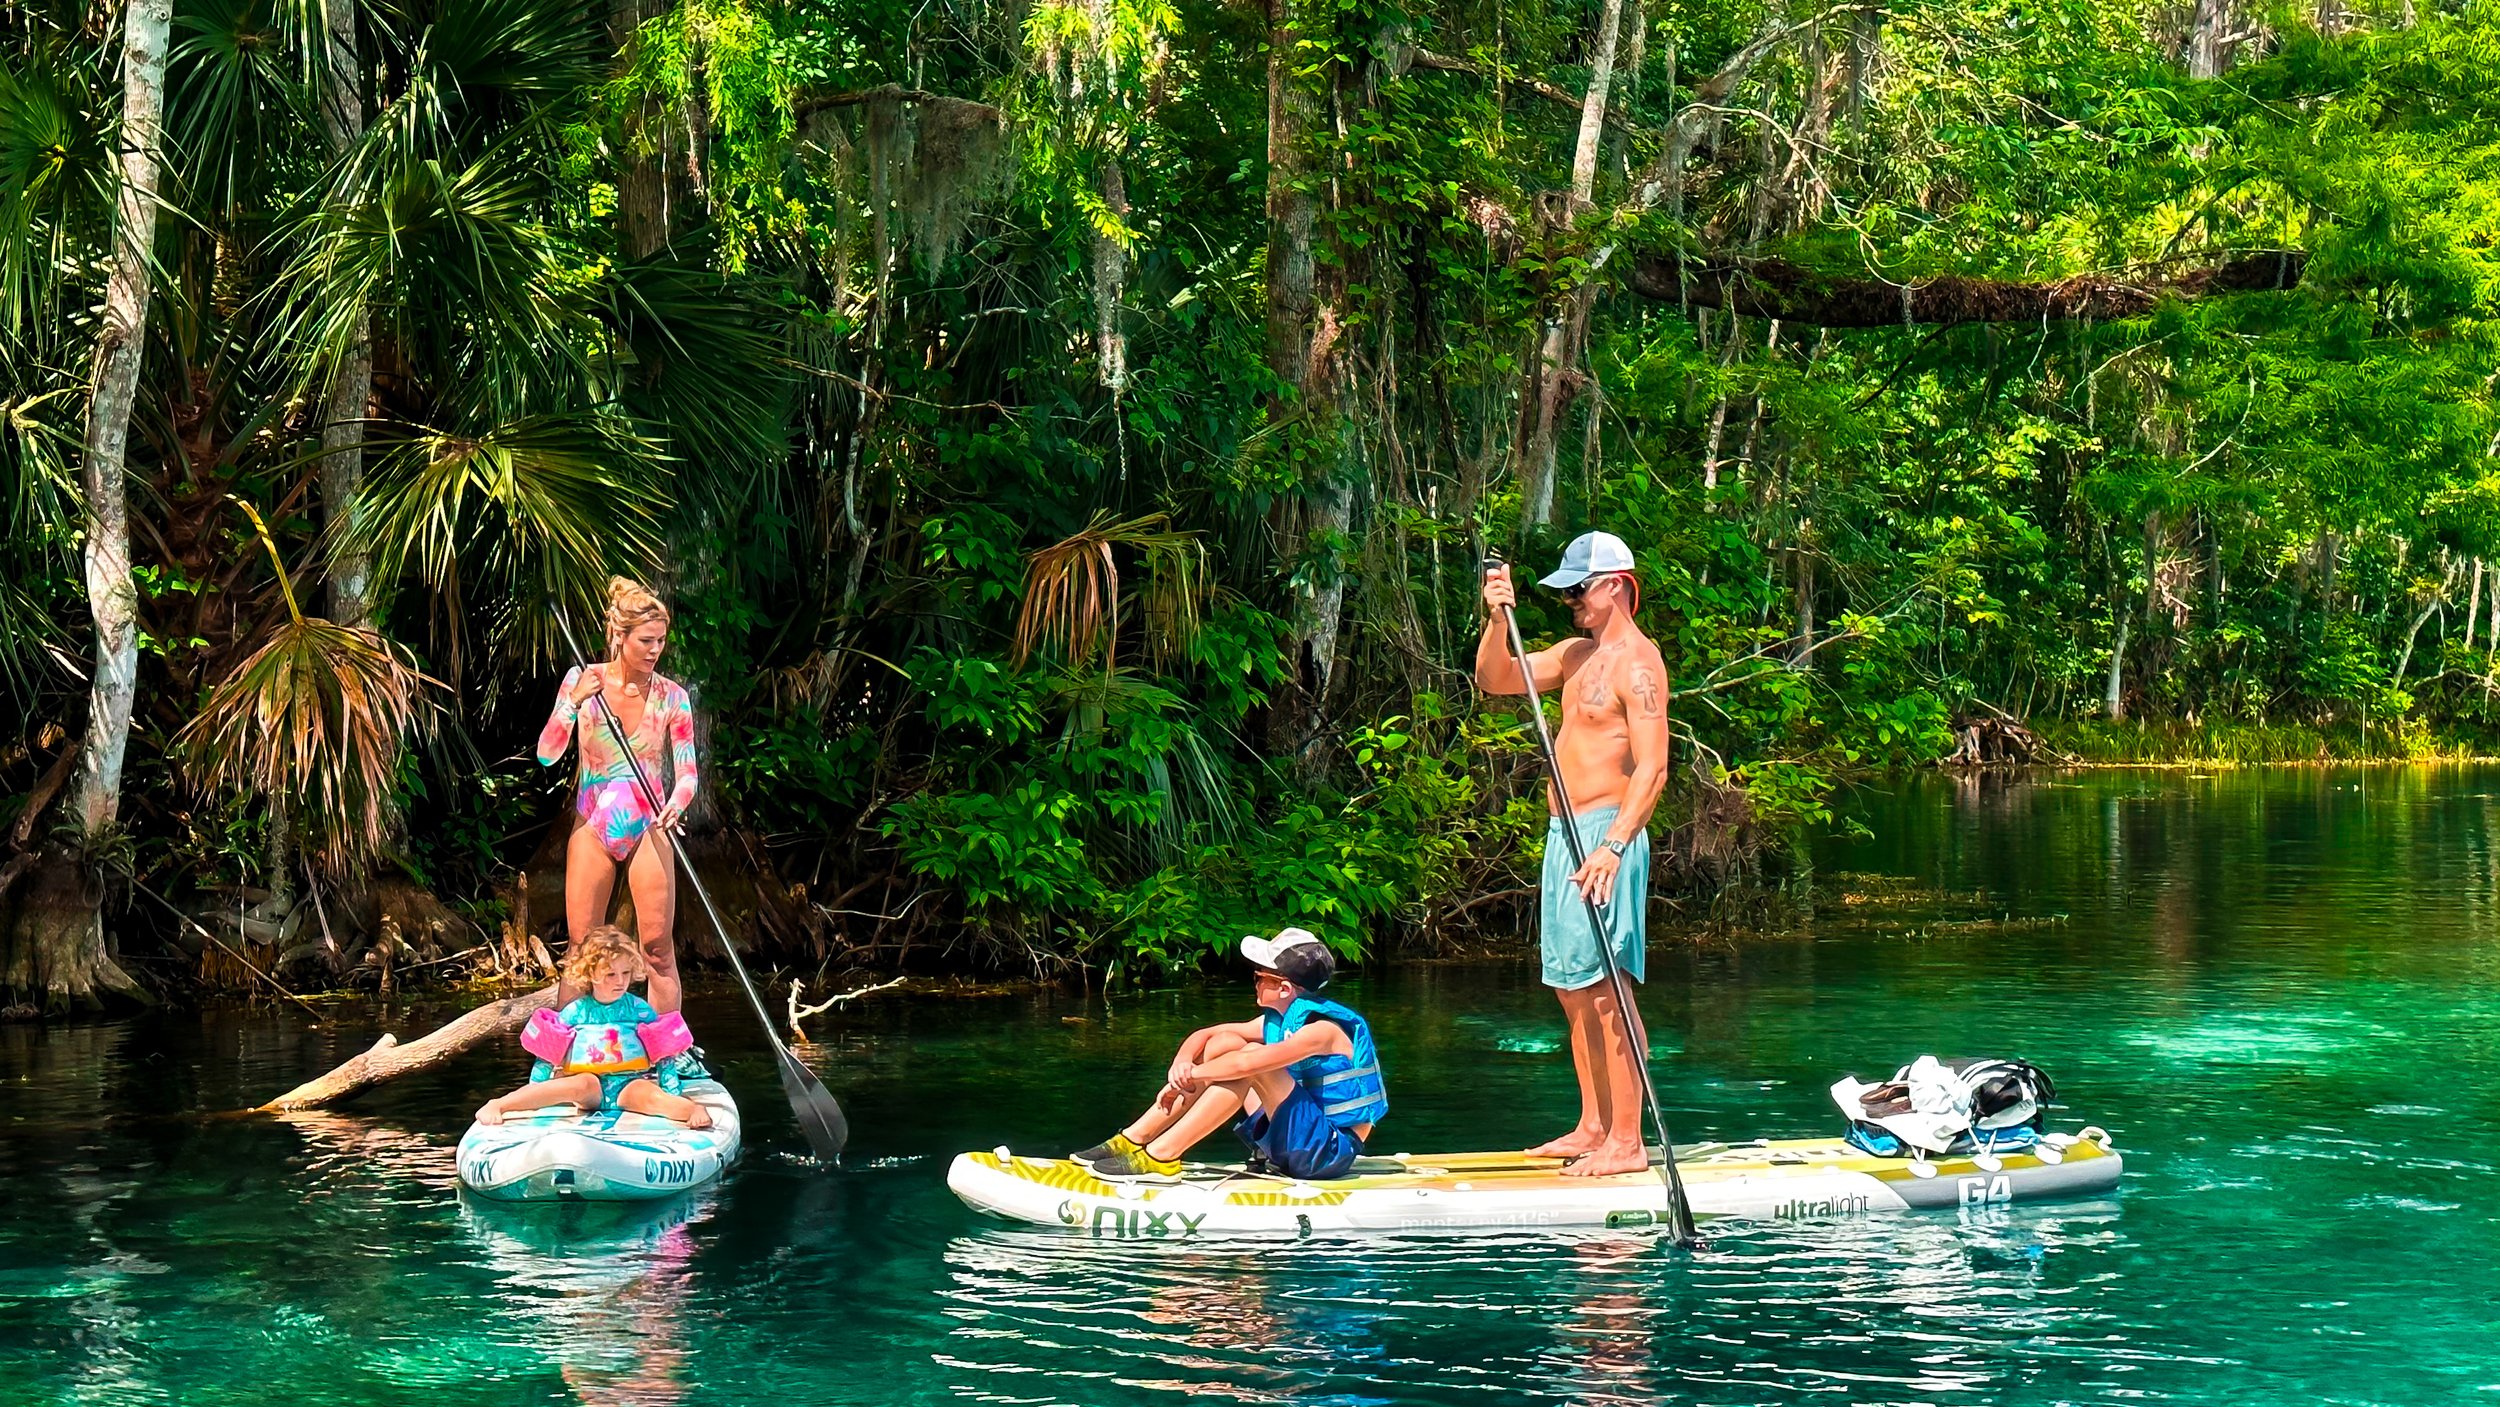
x: 1069, y: 433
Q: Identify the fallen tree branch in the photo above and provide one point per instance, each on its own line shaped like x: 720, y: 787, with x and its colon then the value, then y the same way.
x: 1775, y: 288
x: 388, y: 1059
x: 798, y: 1013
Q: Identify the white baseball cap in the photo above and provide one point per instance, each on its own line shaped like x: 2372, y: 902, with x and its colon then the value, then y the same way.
x: 1263, y: 952
x: 1590, y: 554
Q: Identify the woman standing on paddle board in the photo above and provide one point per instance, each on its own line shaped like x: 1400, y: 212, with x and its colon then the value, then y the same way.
x: 613, y: 823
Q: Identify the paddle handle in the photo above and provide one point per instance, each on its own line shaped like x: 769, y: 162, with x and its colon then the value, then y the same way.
x: 1679, y: 1206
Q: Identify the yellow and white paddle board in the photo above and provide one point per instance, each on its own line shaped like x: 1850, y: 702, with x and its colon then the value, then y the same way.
x: 1788, y: 1179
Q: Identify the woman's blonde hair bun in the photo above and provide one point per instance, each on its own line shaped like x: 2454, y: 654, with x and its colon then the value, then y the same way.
x: 631, y: 604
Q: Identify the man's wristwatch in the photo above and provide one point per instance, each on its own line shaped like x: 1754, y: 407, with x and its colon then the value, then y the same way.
x: 1617, y: 846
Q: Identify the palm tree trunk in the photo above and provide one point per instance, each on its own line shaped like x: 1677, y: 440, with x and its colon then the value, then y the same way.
x: 648, y: 191
x: 54, y: 947
x: 351, y: 382
x: 112, y: 594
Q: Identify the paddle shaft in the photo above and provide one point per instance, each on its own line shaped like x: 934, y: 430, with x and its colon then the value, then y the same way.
x: 797, y: 1080
x: 1679, y: 1207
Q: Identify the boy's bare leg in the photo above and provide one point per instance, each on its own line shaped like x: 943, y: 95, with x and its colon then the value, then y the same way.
x: 1216, y: 1106
x: 580, y: 1091
x: 1579, y: 1011
x: 1163, y: 1113
x: 646, y: 1097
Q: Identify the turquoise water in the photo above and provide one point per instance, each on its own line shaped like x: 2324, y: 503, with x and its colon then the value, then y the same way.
x: 2281, y: 993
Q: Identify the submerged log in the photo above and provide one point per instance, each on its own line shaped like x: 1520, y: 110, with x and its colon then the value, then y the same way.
x: 388, y: 1059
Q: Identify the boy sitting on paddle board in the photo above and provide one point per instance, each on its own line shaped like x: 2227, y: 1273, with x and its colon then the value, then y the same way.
x: 1302, y: 1076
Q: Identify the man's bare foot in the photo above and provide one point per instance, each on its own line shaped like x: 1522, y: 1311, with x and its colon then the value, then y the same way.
x: 488, y: 1114
x: 1608, y: 1159
x: 1570, y: 1145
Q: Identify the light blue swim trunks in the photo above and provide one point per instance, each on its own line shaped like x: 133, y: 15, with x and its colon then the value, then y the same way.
x: 1571, y: 957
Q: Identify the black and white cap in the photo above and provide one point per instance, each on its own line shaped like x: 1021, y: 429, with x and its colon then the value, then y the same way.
x: 1590, y: 554
x: 1295, y: 954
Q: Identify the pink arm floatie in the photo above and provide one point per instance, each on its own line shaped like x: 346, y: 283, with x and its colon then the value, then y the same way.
x: 547, y: 1037
x: 665, y: 1037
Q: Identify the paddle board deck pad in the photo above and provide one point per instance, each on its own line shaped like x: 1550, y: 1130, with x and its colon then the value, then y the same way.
x: 1788, y: 1179
x: 554, y: 1154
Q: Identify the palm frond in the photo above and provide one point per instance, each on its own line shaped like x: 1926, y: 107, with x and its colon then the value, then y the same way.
x: 1136, y: 732
x: 519, y: 50
x: 450, y: 262
x: 235, y: 93
x: 537, y: 512
x: 39, y: 513
x: 316, y: 721
x: 1072, y: 590
x: 56, y: 184
x: 708, y: 363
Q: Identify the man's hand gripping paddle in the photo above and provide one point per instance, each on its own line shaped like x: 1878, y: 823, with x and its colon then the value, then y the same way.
x: 1679, y: 1207
x: 820, y: 1118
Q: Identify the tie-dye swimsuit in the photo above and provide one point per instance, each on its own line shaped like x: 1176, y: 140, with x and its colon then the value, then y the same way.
x: 611, y: 800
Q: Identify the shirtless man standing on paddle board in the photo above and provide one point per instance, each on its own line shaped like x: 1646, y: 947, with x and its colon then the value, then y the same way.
x: 1612, y: 750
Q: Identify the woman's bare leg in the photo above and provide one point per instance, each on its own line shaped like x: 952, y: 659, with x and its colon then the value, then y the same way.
x: 646, y: 1097
x: 589, y: 882
x: 652, y: 875
x: 580, y: 1091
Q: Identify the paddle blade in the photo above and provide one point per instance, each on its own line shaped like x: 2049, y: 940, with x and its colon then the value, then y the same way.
x: 820, y: 1118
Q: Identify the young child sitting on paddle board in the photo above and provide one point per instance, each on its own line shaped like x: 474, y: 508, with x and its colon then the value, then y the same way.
x: 1303, y: 1077
x: 608, y: 1049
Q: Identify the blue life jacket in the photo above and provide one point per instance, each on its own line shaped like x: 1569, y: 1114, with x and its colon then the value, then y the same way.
x: 1349, y: 1088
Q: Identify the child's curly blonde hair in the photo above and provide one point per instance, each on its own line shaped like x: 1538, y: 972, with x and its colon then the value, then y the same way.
x: 595, y: 949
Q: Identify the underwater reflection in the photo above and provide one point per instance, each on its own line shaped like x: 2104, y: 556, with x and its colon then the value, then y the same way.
x: 1917, y: 1307
x: 1605, y: 1354
x: 608, y: 1283
x: 345, y: 1155
x: 1246, y: 1321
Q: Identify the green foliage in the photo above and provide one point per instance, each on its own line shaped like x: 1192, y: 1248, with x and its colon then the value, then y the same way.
x: 1032, y: 575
